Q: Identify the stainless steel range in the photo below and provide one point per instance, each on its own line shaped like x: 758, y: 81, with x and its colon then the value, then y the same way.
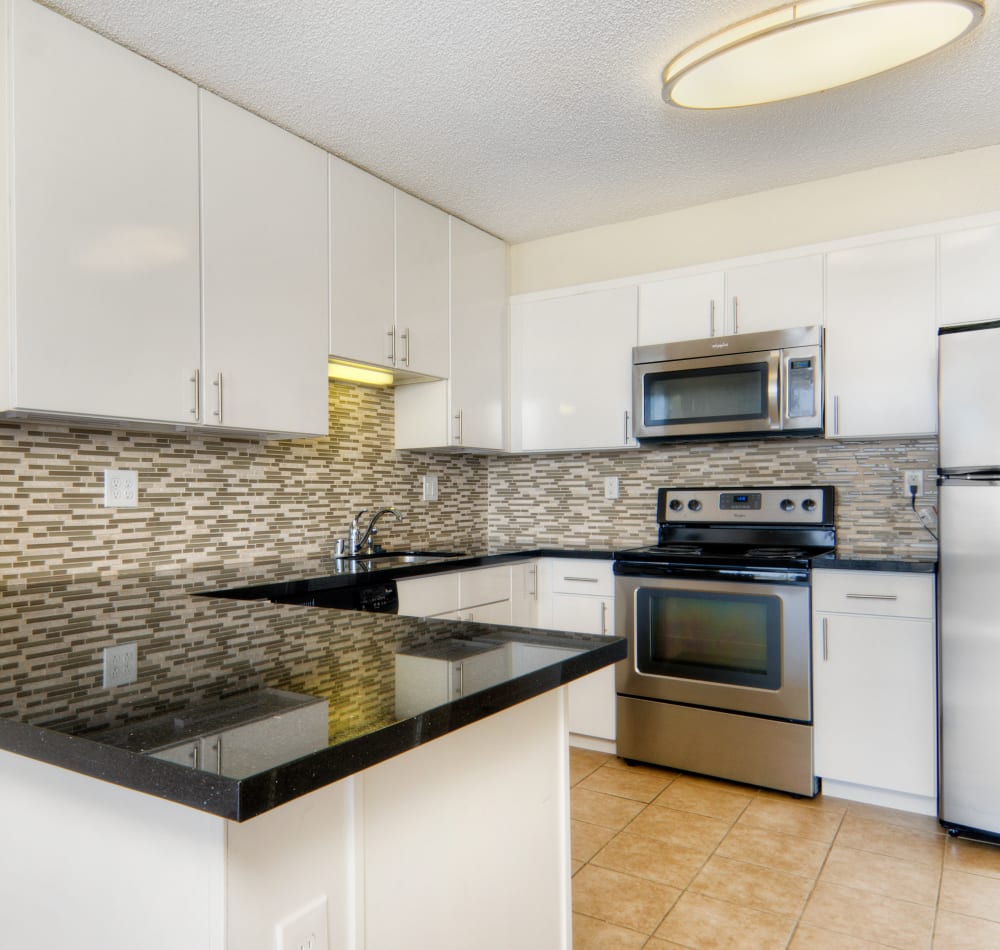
x: 718, y: 618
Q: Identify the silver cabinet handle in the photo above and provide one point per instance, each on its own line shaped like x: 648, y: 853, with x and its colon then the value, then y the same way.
x: 196, y: 755
x: 604, y: 617
x: 405, y: 337
x: 533, y: 575
x: 826, y: 645
x: 736, y: 314
x: 871, y: 596
x: 627, y: 426
x: 582, y: 580
x: 218, y: 383
x: 711, y: 318
x: 836, y: 415
x: 456, y: 432
x: 460, y: 677
x: 196, y: 379
x: 391, y: 352
x: 217, y: 748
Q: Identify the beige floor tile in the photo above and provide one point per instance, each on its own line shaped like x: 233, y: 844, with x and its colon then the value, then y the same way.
x: 971, y: 894
x: 587, y: 839
x: 800, y: 856
x: 591, y: 934
x: 955, y: 932
x: 874, y: 917
x: 791, y: 819
x: 655, y: 943
x: 697, y: 833
x: 584, y: 761
x: 751, y: 885
x: 575, y: 866
x: 686, y: 794
x: 700, y: 921
x: 616, y: 762
x: 609, y: 811
x: 812, y: 938
x: 649, y: 858
x: 882, y: 874
x: 893, y: 816
x: 626, y: 783
x: 897, y: 842
x: 622, y: 899
x: 720, y: 784
x: 818, y: 802
x: 976, y: 857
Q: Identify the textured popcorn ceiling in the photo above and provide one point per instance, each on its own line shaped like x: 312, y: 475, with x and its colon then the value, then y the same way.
x: 537, y: 117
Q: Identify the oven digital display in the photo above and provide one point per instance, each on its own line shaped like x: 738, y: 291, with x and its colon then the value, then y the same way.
x: 740, y: 501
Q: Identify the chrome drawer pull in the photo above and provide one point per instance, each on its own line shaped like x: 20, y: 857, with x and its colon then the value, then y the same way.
x: 826, y: 628
x: 582, y: 580
x: 871, y: 597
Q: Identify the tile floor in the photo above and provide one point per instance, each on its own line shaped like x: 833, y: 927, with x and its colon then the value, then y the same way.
x: 662, y: 860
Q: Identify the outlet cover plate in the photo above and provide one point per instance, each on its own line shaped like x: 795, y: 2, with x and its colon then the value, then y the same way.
x: 304, y: 930
x: 913, y: 477
x: 120, y: 664
x: 121, y: 488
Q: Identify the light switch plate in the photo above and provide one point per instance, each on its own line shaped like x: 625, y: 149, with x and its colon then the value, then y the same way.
x: 120, y: 665
x: 430, y: 486
x: 612, y: 487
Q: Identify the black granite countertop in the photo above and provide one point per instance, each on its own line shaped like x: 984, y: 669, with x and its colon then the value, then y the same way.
x: 196, y: 650
x: 857, y: 562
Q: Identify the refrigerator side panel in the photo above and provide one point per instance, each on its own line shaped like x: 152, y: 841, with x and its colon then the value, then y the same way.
x: 969, y: 657
x: 969, y: 416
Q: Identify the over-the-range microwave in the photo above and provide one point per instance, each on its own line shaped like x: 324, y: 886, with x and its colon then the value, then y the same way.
x: 749, y: 385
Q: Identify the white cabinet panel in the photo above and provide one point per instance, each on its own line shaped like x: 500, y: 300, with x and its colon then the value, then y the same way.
x: 422, y: 287
x: 362, y: 264
x: 875, y: 593
x: 105, y: 225
x: 776, y: 295
x: 681, y: 308
x: 970, y: 275
x: 583, y: 576
x: 485, y: 585
x: 583, y: 614
x: 573, y: 378
x: 265, y: 277
x: 430, y: 595
x: 592, y: 705
x: 524, y: 594
x: 881, y: 341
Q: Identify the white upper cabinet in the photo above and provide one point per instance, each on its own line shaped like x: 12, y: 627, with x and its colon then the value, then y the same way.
x: 422, y: 287
x: 467, y: 410
x: 362, y: 265
x: 572, y: 371
x: 881, y: 343
x: 103, y: 171
x: 775, y: 296
x: 970, y: 275
x: 681, y: 308
x: 265, y: 276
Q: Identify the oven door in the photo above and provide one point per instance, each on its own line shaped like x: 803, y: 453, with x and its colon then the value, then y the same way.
x: 717, y: 395
x: 726, y: 644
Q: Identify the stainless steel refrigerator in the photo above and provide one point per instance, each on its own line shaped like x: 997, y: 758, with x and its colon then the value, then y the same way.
x: 969, y: 579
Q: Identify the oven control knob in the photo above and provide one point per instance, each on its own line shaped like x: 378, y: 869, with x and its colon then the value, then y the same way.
x: 787, y: 504
x: 694, y: 504
x: 809, y: 504
x: 676, y: 504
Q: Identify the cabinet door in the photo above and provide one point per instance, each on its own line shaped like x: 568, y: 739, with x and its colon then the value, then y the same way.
x: 574, y: 370
x: 583, y: 614
x: 362, y: 265
x: 874, y: 708
x: 428, y: 596
x: 881, y: 341
x: 478, y: 337
x: 592, y: 705
x: 187, y: 753
x: 484, y: 586
x: 970, y: 275
x: 422, y: 287
x: 524, y: 594
x: 497, y: 612
x: 681, y: 308
x: 775, y: 296
x: 264, y: 248
x: 105, y: 222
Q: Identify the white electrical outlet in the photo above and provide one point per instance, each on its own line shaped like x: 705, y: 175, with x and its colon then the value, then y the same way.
x: 120, y: 664
x: 304, y: 930
x: 612, y: 487
x: 913, y: 478
x: 121, y: 488
x: 430, y: 484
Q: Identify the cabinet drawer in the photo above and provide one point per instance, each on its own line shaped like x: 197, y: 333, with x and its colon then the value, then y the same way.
x: 485, y: 586
x: 582, y: 577
x: 430, y: 595
x: 875, y: 593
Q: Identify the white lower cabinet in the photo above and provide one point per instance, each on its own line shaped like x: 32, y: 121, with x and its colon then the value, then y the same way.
x: 447, y: 671
x: 874, y: 687
x: 481, y: 595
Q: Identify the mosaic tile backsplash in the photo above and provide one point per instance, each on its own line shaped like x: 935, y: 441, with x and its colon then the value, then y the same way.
x: 212, y: 498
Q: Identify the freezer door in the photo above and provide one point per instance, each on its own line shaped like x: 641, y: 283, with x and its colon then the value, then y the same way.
x: 969, y: 660
x: 968, y: 408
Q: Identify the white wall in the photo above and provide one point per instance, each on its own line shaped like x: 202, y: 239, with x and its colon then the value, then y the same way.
x: 893, y: 196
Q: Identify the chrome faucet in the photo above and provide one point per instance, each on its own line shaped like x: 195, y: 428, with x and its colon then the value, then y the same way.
x: 359, y: 538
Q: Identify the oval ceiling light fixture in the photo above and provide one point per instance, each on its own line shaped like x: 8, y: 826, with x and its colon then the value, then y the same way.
x: 807, y: 47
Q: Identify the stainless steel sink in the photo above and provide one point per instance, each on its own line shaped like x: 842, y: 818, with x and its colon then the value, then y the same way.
x: 386, y: 558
